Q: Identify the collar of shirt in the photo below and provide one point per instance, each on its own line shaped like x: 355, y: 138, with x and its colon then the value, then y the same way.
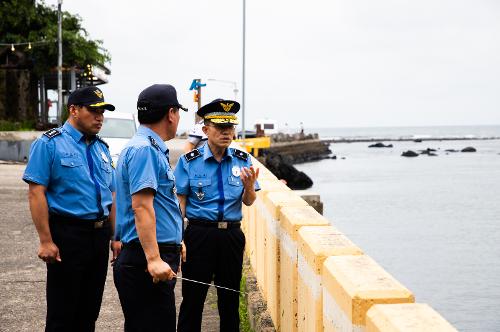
x: 73, y: 132
x: 207, y: 153
x: 145, y: 131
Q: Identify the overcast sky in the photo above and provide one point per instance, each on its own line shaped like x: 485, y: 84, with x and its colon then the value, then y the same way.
x: 327, y: 63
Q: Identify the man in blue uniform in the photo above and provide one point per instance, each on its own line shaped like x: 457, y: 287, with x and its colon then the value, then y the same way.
x: 149, y: 221
x: 71, y: 185
x: 212, y: 182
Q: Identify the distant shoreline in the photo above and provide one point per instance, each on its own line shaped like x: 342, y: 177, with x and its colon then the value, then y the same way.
x: 403, y: 139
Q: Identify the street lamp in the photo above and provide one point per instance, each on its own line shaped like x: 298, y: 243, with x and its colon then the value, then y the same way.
x: 59, y: 62
x: 243, y: 72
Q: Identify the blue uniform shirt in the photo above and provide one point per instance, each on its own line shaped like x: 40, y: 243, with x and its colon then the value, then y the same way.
x: 213, y: 190
x: 79, y: 177
x: 144, y: 163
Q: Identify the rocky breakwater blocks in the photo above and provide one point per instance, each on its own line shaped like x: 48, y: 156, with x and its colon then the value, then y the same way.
x: 292, y: 219
x: 407, y: 317
x: 273, y: 203
x: 316, y: 244
x: 351, y: 285
x: 256, y: 230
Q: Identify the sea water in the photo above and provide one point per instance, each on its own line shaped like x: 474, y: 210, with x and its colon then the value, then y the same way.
x: 433, y: 222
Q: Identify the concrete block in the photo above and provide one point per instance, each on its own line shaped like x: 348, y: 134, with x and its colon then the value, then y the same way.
x: 351, y: 285
x: 273, y: 203
x: 407, y: 317
x: 291, y: 220
x: 315, y: 245
x: 258, y: 227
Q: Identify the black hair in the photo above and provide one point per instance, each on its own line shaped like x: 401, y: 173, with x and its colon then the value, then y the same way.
x: 150, y: 116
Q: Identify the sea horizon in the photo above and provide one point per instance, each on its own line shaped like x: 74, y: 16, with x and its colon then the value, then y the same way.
x: 406, y: 132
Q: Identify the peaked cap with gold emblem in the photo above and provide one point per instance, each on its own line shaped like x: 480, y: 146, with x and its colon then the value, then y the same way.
x: 90, y: 96
x: 220, y: 111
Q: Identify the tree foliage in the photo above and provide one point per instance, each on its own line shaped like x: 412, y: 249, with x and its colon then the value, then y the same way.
x: 30, y: 21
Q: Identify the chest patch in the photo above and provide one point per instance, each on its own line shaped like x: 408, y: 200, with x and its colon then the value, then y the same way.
x: 236, y: 171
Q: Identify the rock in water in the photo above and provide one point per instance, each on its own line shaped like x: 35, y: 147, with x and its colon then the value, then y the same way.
x: 469, y: 149
x: 380, y: 145
x: 283, y: 170
x: 428, y: 151
x: 409, y: 153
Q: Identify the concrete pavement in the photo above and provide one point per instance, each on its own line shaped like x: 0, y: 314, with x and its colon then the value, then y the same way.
x: 22, y: 274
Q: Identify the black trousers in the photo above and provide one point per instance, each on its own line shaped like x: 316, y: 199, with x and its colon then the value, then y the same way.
x: 75, y: 285
x: 212, y: 254
x: 146, y: 306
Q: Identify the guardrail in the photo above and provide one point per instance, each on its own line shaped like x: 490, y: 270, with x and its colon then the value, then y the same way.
x: 314, y: 278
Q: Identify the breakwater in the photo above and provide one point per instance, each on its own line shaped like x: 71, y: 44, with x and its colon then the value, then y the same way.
x: 313, y: 278
x: 301, y: 151
x: 403, y: 139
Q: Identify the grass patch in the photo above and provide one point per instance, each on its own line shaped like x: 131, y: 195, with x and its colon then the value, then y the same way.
x: 7, y: 125
x: 244, y: 322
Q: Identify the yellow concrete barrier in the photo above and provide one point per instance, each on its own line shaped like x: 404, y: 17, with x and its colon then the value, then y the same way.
x: 273, y: 203
x: 408, y: 317
x: 257, y: 229
x: 315, y: 279
x: 316, y: 244
x: 351, y: 285
x: 291, y: 220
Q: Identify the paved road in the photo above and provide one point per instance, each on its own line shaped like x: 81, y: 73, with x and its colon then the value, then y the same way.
x: 22, y: 274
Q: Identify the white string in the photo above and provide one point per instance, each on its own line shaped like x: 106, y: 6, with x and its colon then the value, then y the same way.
x: 207, y: 284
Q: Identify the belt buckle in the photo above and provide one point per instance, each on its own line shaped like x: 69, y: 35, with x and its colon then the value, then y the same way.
x: 99, y: 224
x: 222, y: 225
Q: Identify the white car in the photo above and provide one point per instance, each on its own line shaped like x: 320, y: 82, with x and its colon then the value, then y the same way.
x: 117, y: 129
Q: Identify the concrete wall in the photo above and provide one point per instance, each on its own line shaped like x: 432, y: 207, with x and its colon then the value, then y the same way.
x: 314, y: 278
x: 15, y: 145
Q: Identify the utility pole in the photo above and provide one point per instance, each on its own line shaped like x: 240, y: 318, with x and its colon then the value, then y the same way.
x: 243, y: 77
x: 59, y: 62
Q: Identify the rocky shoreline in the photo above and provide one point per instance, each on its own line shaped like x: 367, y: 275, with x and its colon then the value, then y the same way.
x: 281, y: 157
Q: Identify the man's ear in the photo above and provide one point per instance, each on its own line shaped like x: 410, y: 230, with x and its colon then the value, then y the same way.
x: 205, y: 129
x: 170, y: 114
x: 73, y: 111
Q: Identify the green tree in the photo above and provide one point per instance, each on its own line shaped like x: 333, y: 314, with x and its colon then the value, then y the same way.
x: 31, y: 21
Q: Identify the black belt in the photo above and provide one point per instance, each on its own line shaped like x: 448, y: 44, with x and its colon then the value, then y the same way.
x: 92, y: 223
x: 164, y: 247
x: 225, y: 224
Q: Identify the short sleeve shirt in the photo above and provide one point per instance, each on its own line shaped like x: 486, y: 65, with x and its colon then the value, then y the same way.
x: 144, y: 163
x: 213, y: 190
x: 78, y: 176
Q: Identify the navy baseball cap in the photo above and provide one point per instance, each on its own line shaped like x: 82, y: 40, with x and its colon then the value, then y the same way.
x: 90, y: 96
x: 220, y: 112
x: 158, y: 96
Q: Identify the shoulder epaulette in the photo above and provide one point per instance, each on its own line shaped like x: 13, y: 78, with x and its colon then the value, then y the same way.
x: 52, y: 133
x: 192, y: 155
x: 102, y: 141
x: 240, y: 154
x: 153, y: 143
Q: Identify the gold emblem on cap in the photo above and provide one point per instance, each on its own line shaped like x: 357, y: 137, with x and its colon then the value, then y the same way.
x: 98, y: 93
x: 227, y: 107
